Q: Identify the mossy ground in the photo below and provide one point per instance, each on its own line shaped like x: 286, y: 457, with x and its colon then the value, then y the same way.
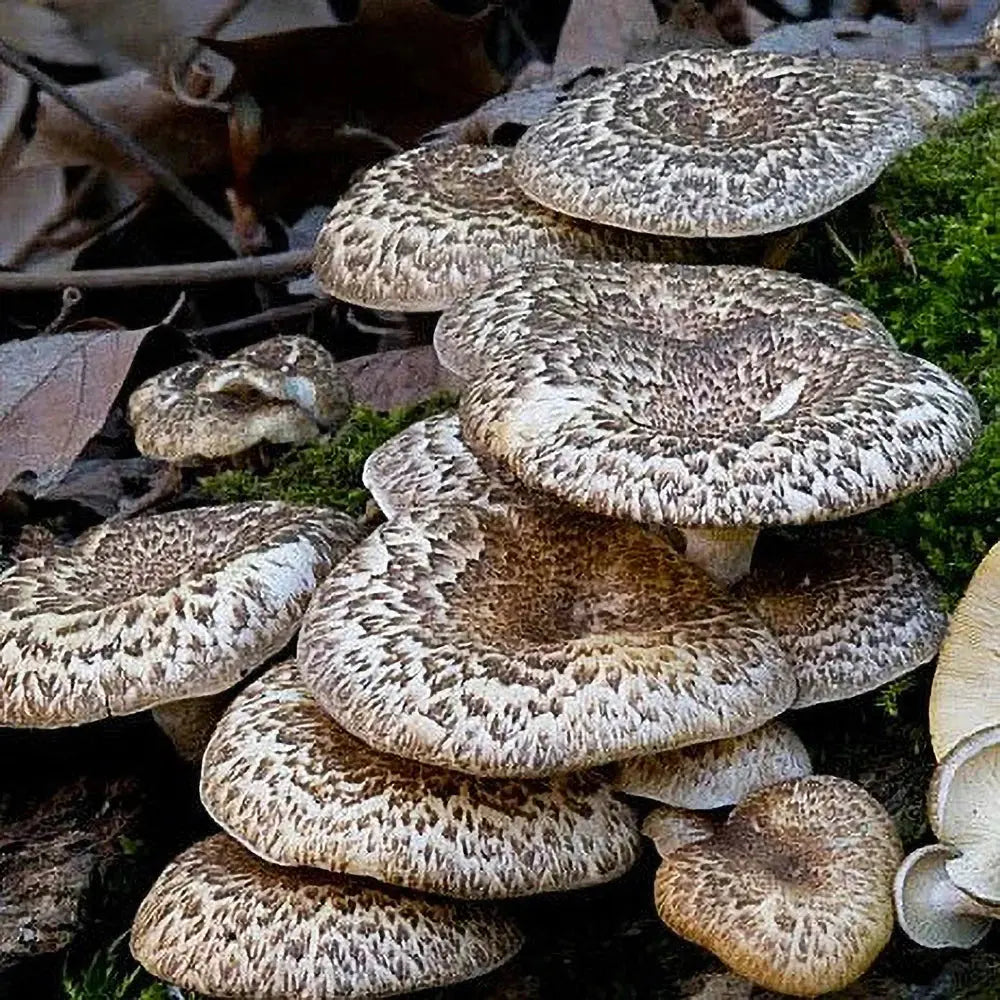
x: 923, y: 252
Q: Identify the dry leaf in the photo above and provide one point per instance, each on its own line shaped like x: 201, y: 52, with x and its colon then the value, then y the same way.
x: 27, y: 207
x: 14, y: 93
x: 42, y: 33
x: 389, y: 379
x: 55, y: 393
x: 605, y: 33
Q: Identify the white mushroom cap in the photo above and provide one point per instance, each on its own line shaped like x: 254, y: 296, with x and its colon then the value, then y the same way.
x: 533, y: 640
x: 426, y: 225
x: 711, y: 142
x: 282, y: 390
x: 669, y: 828
x: 285, y: 780
x: 965, y: 695
x: 700, y: 397
x: 853, y: 611
x: 716, y: 774
x: 224, y: 923
x: 963, y: 806
x: 429, y: 463
x: 157, y: 609
x: 794, y: 892
x: 931, y: 909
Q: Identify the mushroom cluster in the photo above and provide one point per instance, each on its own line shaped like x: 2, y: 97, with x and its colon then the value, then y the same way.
x: 948, y: 893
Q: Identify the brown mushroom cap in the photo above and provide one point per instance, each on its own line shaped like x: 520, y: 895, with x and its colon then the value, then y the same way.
x: 680, y: 395
x: 711, y: 142
x: 224, y: 923
x: 282, y: 390
x: 965, y: 695
x: 794, y: 892
x: 853, y: 611
x: 931, y: 909
x: 426, y: 225
x: 157, y: 609
x: 716, y: 774
x: 533, y: 640
x: 284, y: 779
x: 669, y: 828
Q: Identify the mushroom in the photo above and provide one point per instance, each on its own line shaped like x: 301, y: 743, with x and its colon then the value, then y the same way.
x: 139, y: 613
x: 963, y: 806
x: 720, y: 400
x: 532, y: 640
x: 716, y: 774
x: 283, y: 390
x: 991, y: 37
x: 670, y: 828
x: 286, y: 781
x: 794, y: 891
x: 423, y: 226
x: 965, y: 694
x: 711, y: 142
x: 931, y: 909
x: 852, y: 611
x: 222, y: 922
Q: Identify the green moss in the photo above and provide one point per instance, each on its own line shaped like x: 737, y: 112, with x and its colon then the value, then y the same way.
x: 327, y: 472
x: 112, y: 975
x: 942, y: 203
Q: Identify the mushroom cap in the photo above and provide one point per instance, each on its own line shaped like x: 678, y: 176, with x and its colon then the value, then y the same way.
x: 963, y: 806
x: 794, y: 892
x: 282, y: 390
x: 991, y: 37
x: 716, y: 774
x: 852, y: 611
x: 965, y: 695
x: 429, y: 463
x: 711, y: 142
x: 285, y: 780
x: 669, y: 828
x: 224, y: 923
x: 533, y: 640
x: 700, y: 396
x: 157, y: 609
x: 426, y: 225
x: 931, y: 909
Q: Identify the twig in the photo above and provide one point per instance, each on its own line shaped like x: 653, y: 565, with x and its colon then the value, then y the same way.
x: 840, y: 244
x: 276, y: 265
x: 260, y: 319
x: 124, y: 142
x: 899, y: 241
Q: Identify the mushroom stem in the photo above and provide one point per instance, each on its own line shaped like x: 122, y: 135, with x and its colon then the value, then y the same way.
x: 724, y: 553
x: 189, y: 723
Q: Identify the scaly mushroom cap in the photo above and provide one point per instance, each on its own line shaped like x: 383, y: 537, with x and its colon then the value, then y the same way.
x: 533, y: 640
x: 142, y: 612
x: 965, y: 695
x: 852, y: 611
x: 794, y: 892
x: 963, y: 806
x: 282, y: 390
x: 224, y: 923
x: 285, y: 780
x: 422, y: 227
x: 716, y: 774
x: 711, y: 142
x: 700, y: 396
x: 931, y: 909
x: 429, y: 463
x: 991, y: 37
x: 669, y: 828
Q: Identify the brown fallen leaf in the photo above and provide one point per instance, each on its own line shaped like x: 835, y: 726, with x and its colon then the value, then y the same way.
x: 606, y: 33
x: 28, y: 204
x: 42, y: 33
x: 389, y: 379
x: 55, y: 392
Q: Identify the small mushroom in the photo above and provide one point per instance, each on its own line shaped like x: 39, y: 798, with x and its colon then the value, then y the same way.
x: 991, y: 37
x: 670, y: 828
x: 716, y: 774
x: 284, y: 779
x: 157, y: 609
x: 532, y: 640
x: 222, y: 922
x: 963, y: 806
x: 420, y: 228
x: 283, y: 390
x: 931, y: 909
x: 794, y: 891
x: 965, y: 695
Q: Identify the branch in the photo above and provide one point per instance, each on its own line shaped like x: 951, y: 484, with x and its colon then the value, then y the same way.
x: 124, y: 142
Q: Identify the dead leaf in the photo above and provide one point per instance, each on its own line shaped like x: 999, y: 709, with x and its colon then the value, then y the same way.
x: 14, y: 93
x: 55, y: 393
x: 389, y: 379
x: 27, y: 207
x: 42, y: 33
x: 606, y: 33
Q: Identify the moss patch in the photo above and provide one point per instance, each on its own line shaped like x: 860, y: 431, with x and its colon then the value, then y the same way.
x: 327, y: 472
